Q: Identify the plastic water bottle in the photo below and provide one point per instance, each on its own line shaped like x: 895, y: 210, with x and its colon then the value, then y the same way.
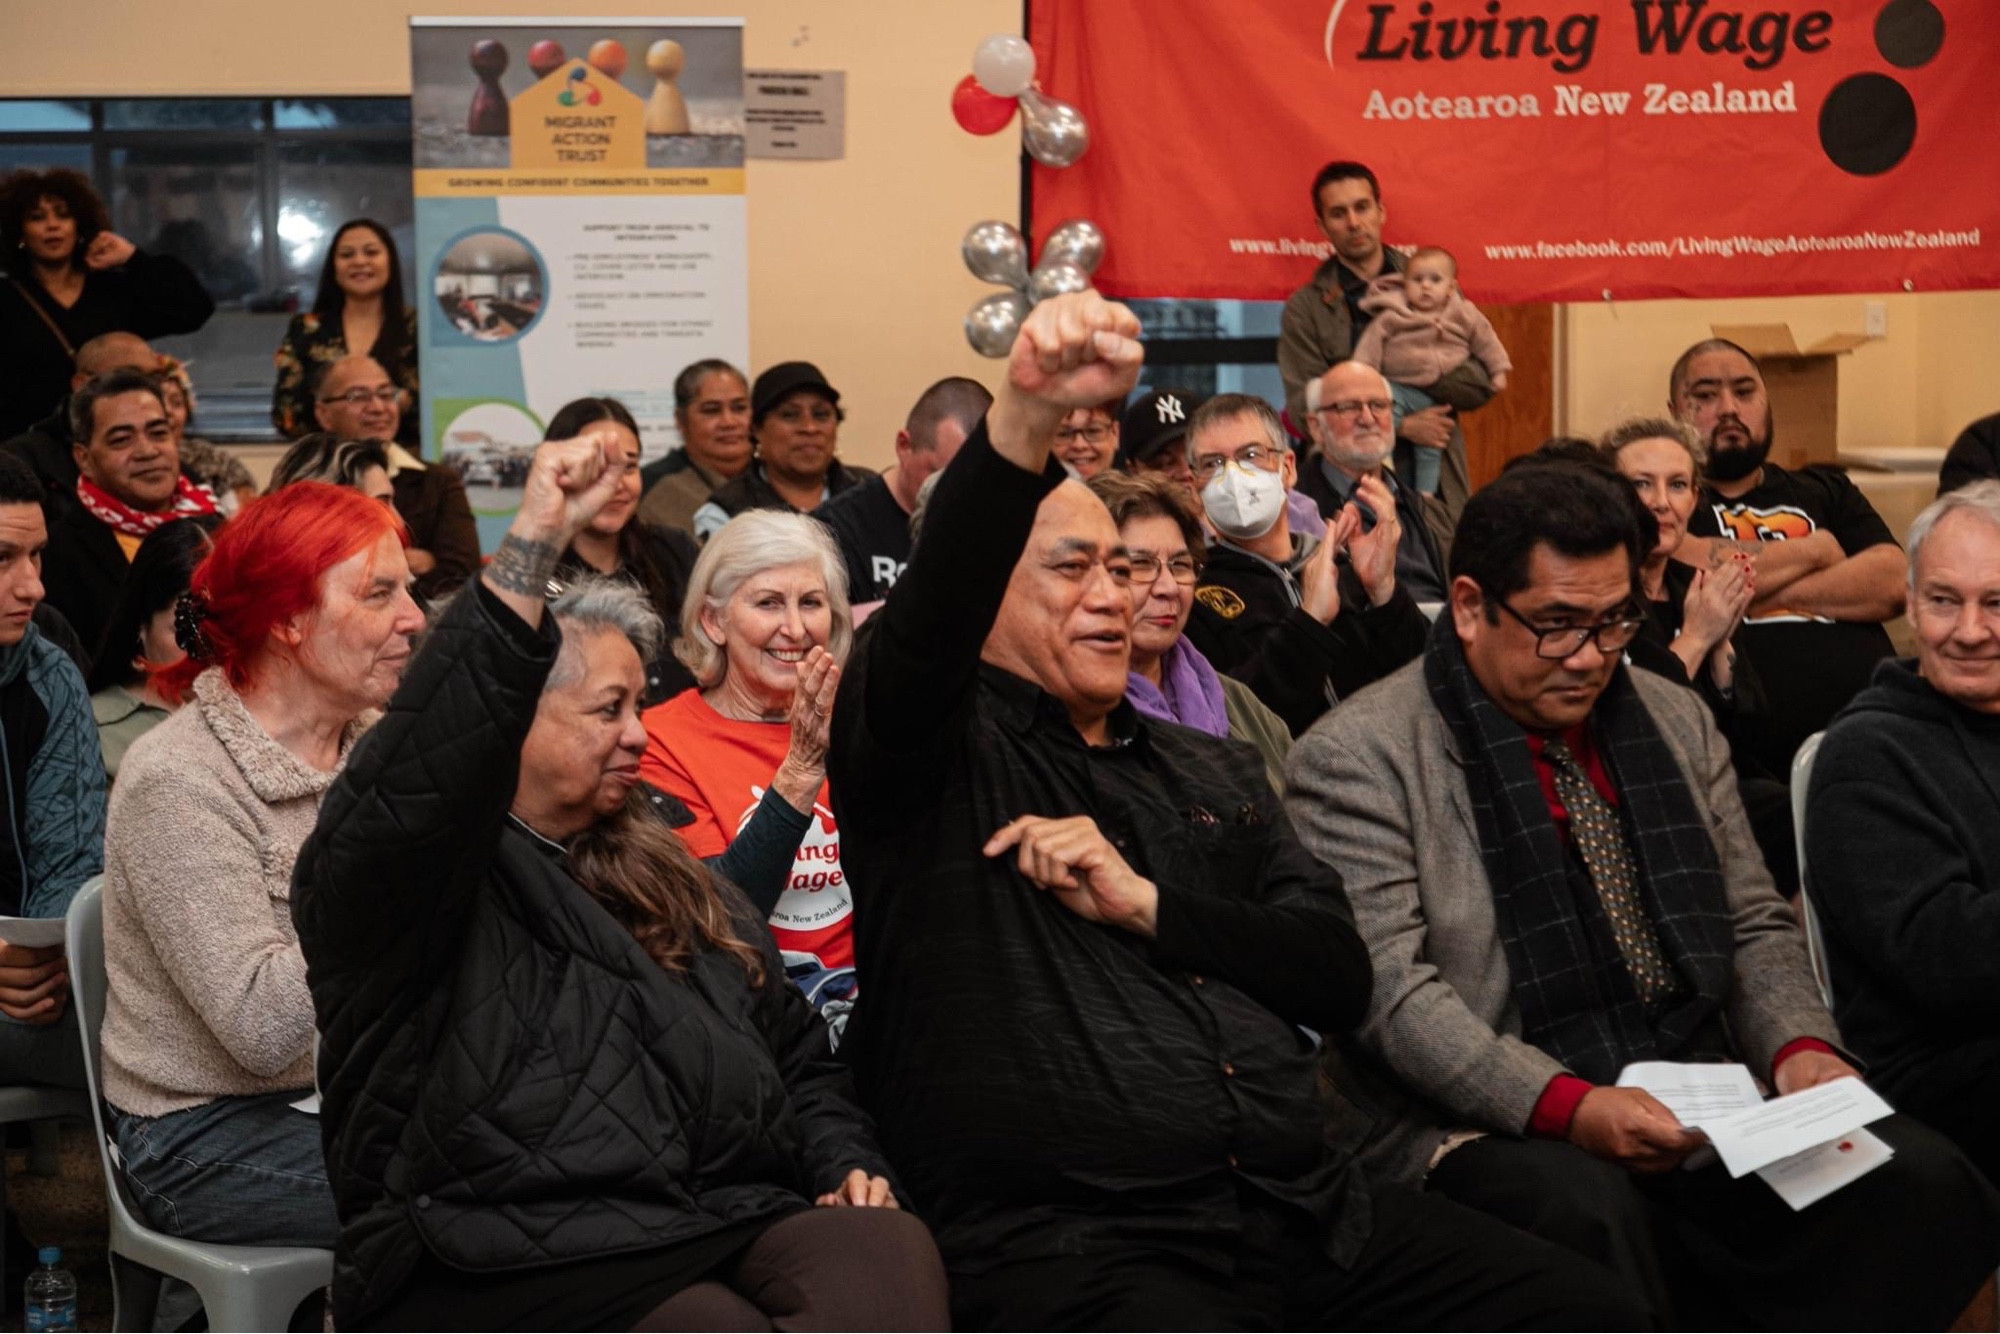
x: 51, y: 1295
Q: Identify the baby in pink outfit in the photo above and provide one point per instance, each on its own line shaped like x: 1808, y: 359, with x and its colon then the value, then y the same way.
x: 1422, y: 328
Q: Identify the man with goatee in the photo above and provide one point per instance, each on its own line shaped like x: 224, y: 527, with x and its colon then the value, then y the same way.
x: 1829, y: 572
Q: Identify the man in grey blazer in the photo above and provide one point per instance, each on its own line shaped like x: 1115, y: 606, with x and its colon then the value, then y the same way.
x: 1548, y: 859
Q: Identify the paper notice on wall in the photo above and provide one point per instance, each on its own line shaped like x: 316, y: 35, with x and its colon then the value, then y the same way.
x: 795, y: 113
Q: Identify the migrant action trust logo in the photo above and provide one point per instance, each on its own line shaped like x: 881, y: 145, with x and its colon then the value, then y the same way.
x: 580, y: 91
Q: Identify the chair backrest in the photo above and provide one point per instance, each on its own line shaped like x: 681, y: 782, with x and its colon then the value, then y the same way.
x: 84, y: 932
x: 1802, y: 767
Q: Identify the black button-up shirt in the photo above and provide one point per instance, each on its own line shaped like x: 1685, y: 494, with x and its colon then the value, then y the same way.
x: 1047, y: 1085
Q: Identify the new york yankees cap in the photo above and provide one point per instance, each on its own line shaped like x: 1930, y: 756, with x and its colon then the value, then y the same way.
x: 1156, y: 419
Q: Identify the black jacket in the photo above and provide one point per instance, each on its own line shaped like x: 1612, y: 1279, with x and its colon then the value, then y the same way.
x: 149, y: 295
x: 509, y: 1080
x: 1903, y: 863
x: 82, y: 570
x: 1248, y: 625
x: 752, y: 490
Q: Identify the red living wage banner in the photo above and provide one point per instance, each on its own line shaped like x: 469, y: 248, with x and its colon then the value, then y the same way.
x: 1563, y: 150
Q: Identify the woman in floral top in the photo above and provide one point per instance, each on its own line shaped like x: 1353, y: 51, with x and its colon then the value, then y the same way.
x: 359, y: 307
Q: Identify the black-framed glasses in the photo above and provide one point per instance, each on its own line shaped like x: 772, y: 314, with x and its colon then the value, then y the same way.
x: 1096, y: 433
x: 359, y: 395
x: 1560, y: 641
x: 1352, y: 408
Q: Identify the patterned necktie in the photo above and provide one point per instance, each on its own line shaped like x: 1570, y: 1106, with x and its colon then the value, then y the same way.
x: 1594, y: 827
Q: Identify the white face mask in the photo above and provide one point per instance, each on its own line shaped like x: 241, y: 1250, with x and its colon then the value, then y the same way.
x: 1244, y: 503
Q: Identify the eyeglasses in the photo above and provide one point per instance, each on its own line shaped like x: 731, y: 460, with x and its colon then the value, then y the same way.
x: 1560, y: 641
x: 1209, y: 466
x: 1096, y: 433
x: 1146, y: 567
x: 355, y: 398
x: 1352, y: 408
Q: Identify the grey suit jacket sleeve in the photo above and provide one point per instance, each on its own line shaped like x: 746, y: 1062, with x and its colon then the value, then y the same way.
x: 1775, y: 999
x: 1356, y: 812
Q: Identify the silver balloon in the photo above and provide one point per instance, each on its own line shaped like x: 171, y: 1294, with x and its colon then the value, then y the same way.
x: 1078, y: 241
x: 1053, y: 131
x: 1056, y: 279
x: 995, y: 253
x: 990, y: 326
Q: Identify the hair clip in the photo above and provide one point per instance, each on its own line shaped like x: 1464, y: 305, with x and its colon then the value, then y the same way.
x: 189, y: 612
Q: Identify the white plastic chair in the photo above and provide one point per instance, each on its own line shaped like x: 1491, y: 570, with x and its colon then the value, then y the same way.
x: 241, y: 1287
x: 1802, y: 766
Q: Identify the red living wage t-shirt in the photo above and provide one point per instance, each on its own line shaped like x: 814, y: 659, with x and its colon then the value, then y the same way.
x: 720, y: 768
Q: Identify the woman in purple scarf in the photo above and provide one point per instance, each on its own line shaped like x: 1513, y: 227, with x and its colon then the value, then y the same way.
x: 1170, y: 680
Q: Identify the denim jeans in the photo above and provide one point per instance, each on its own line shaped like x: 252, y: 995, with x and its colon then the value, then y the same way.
x: 1428, y: 462
x: 243, y: 1171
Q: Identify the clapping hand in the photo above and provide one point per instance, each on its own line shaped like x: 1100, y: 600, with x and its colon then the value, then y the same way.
x: 799, y: 778
x: 1373, y: 553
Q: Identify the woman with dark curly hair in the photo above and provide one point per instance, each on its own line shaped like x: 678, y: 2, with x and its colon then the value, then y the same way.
x: 69, y: 278
x: 358, y: 310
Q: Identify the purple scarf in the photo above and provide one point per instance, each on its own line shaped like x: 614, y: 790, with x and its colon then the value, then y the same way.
x: 1189, y: 693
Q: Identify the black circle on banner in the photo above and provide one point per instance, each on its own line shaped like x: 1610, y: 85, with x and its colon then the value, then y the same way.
x: 1909, y: 32
x: 1867, y: 124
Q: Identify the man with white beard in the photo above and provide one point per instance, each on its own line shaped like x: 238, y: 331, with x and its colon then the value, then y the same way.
x: 1356, y: 440
x: 1302, y: 622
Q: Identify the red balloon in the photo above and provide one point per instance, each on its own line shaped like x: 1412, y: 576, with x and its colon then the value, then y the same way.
x: 978, y: 111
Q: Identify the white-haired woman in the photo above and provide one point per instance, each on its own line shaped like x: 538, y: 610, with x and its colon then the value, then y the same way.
x: 764, y: 629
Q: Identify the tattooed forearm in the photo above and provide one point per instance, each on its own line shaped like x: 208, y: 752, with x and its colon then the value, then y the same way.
x: 523, y: 566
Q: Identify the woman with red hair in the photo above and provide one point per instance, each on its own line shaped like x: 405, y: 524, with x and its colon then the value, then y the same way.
x: 296, y: 628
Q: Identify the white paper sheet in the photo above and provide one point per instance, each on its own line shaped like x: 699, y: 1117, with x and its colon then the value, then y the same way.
x: 1806, y: 1178
x: 308, y: 1104
x: 1694, y: 1093
x: 33, y: 932
x: 1792, y: 1124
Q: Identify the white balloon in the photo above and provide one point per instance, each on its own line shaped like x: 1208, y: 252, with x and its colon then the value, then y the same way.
x: 1004, y: 65
x: 992, y: 324
x: 1057, y: 279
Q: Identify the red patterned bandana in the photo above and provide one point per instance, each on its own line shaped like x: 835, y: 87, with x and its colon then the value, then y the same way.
x: 190, y: 501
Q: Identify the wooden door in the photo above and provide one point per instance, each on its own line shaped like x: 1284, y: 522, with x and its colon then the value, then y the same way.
x: 1524, y: 415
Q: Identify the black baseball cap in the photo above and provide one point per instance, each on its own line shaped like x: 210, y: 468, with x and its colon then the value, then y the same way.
x: 1155, y: 421
x: 788, y: 377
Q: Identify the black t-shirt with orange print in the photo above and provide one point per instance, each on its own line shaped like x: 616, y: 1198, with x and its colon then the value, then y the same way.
x: 1810, y: 666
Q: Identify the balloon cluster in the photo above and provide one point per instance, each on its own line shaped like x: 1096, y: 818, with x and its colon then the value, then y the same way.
x: 1055, y: 135
x: 1003, y: 78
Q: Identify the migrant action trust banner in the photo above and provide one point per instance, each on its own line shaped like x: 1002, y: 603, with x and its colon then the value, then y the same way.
x: 1564, y: 150
x: 580, y: 228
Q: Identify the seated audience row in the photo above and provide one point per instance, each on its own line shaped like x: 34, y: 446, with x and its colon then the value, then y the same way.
x: 1016, y: 697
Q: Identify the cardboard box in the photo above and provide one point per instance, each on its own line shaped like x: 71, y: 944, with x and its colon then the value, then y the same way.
x: 1803, y: 385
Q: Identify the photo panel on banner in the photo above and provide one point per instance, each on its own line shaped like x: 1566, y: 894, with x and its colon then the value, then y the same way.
x: 580, y: 228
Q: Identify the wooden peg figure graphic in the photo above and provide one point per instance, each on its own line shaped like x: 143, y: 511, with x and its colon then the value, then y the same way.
x: 666, y: 110
x: 489, y: 105
x: 546, y: 57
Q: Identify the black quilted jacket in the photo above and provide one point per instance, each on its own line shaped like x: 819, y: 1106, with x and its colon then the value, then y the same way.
x: 509, y: 1080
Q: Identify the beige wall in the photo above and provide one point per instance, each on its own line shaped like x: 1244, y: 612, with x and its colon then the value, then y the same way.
x: 854, y: 264
x: 1918, y: 386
